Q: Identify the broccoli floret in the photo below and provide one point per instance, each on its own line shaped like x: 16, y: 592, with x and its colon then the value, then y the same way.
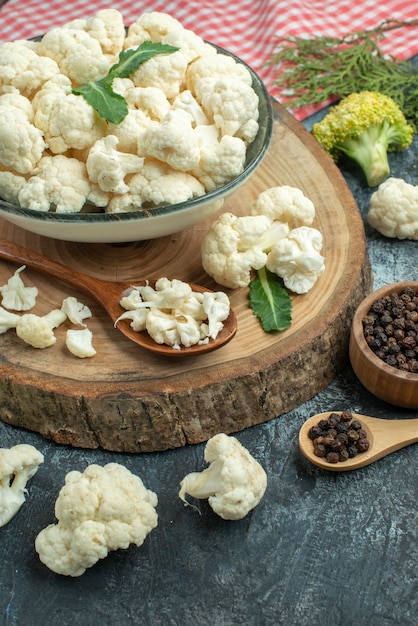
x: 365, y: 126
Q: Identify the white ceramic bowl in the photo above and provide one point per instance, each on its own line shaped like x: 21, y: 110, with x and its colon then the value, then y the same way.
x: 155, y: 222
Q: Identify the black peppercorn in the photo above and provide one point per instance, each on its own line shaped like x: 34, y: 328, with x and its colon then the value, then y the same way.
x: 390, y: 329
x: 338, y: 438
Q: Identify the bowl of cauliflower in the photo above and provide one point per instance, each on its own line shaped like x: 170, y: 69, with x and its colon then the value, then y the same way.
x: 112, y: 133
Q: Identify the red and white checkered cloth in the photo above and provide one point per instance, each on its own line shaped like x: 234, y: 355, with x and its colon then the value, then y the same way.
x: 247, y: 28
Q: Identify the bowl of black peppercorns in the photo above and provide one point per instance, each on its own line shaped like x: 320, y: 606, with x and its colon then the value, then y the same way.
x: 384, y: 343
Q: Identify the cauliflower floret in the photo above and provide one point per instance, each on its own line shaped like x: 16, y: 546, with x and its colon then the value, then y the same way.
x: 61, y: 182
x: 22, y: 68
x: 75, y: 310
x: 156, y: 185
x: 285, y: 204
x: 296, y: 258
x: 172, y: 141
x: 150, y: 100
x: 106, y: 26
x: 220, y: 161
x: 175, y: 315
x: 165, y: 71
x: 15, y: 294
x: 108, y: 167
x: 145, y: 105
x: 190, y: 45
x: 80, y: 343
x: 187, y: 102
x: 233, y: 247
x: 232, y: 104
x: 7, y: 320
x: 394, y: 209
x: 138, y: 318
x: 10, y: 186
x: 78, y: 55
x: 38, y: 331
x: 99, y: 510
x: 154, y: 26
x: 216, y: 307
x: 21, y: 143
x: 172, y: 330
x: 17, y: 465
x: 15, y: 99
x: 234, y: 482
x: 67, y: 120
x: 216, y: 65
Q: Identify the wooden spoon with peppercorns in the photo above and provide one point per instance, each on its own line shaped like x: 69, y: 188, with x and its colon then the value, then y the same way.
x: 384, y: 436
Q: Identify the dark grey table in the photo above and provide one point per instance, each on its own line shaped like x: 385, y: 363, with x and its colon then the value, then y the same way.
x: 321, y: 549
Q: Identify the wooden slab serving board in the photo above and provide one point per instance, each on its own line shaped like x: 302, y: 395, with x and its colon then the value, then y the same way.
x: 127, y: 400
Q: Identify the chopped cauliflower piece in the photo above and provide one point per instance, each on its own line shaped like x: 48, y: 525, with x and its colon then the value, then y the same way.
x: 80, y: 342
x: 234, y: 482
x: 38, y: 331
x: 7, y: 320
x: 173, y: 330
x: 15, y: 295
x: 75, y: 310
x: 98, y: 510
x: 175, y: 315
x: 17, y: 466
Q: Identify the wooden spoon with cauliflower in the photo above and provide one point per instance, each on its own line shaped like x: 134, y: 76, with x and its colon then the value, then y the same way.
x: 169, y: 317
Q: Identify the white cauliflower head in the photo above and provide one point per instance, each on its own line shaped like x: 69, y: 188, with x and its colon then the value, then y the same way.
x: 16, y: 295
x: 17, y: 465
x: 234, y: 482
x: 98, y: 510
x: 394, y: 209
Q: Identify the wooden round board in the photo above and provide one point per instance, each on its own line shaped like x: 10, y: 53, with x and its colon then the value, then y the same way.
x: 128, y: 400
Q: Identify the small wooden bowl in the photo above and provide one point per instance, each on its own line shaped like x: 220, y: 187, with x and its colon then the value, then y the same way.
x: 384, y: 381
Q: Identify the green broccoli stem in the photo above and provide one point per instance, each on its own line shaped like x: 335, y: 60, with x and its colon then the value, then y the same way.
x: 370, y: 152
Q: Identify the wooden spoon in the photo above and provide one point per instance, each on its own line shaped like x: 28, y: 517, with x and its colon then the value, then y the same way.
x: 108, y: 294
x: 385, y: 436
